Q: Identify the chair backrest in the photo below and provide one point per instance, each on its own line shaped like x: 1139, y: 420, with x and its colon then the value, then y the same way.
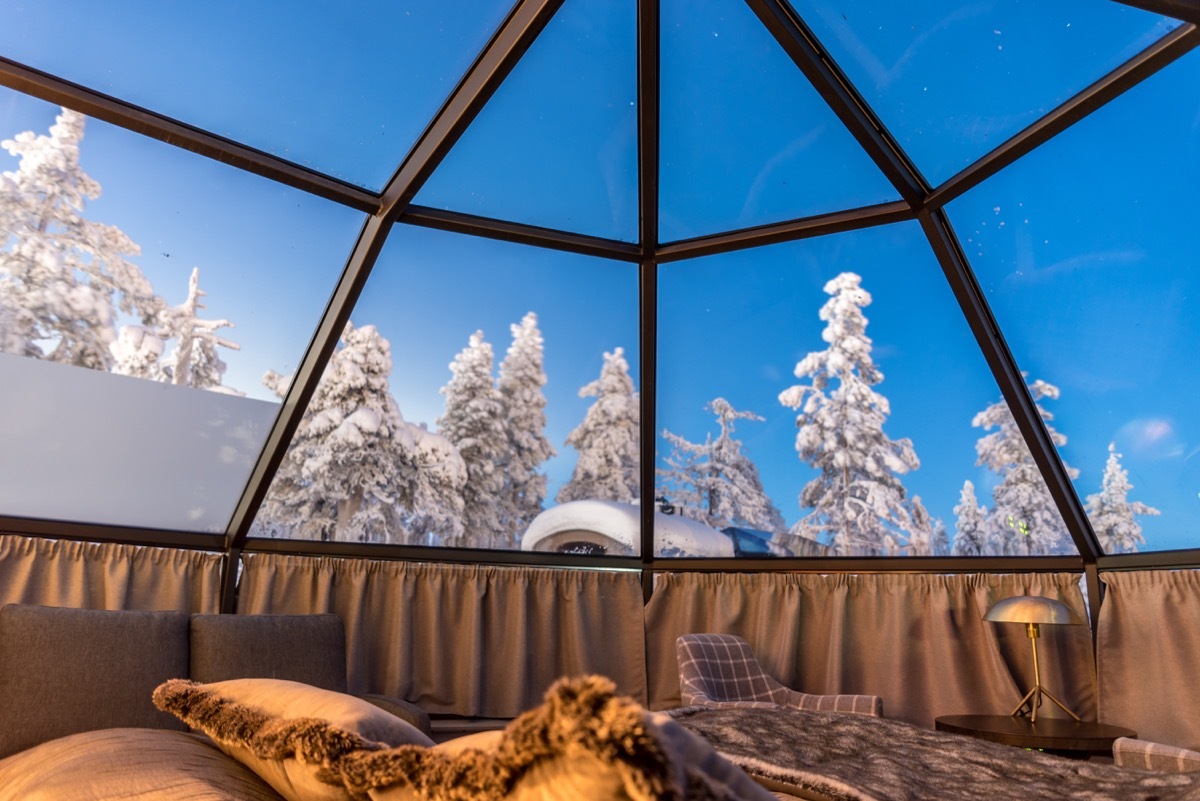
x: 305, y: 648
x: 722, y: 668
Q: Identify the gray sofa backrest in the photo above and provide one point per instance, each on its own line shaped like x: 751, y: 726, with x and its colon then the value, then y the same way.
x: 64, y: 671
x: 305, y: 648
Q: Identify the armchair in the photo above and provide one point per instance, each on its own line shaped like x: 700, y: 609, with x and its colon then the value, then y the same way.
x: 721, y: 670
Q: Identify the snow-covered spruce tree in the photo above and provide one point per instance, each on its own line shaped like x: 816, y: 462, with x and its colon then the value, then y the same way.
x: 193, y: 362
x: 342, y: 477
x: 607, y: 439
x: 62, y: 277
x: 522, y: 377
x: 858, y: 504
x: 473, y: 421
x: 970, y: 530
x: 716, y: 482
x: 1111, y: 512
x: 1024, y: 520
x: 437, y: 475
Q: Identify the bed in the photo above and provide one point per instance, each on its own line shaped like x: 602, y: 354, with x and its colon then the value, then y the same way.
x: 840, y: 757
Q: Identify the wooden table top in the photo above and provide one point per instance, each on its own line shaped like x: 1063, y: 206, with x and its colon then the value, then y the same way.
x: 1058, y: 734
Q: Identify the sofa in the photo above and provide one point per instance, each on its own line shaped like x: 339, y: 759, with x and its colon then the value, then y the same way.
x: 64, y: 671
x: 164, y: 706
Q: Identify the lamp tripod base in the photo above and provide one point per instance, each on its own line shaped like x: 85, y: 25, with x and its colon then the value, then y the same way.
x: 1034, y: 699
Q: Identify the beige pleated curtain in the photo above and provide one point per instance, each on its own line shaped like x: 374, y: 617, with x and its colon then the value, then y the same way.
x: 90, y: 575
x: 1148, y: 650
x: 919, y: 641
x: 463, y: 639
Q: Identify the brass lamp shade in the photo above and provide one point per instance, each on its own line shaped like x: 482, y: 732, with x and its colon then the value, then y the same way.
x: 1033, y: 610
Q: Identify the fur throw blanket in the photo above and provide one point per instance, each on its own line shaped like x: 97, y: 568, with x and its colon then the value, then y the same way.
x: 860, y: 758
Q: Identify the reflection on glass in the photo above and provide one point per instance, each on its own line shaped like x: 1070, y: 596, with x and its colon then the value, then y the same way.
x: 345, y: 89
x: 182, y: 273
x: 953, y: 80
x: 478, y: 384
x: 826, y: 397
x: 746, y: 140
x: 557, y: 144
x: 1086, y: 252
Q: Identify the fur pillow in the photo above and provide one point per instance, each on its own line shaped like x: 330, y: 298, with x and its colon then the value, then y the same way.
x: 290, y: 734
x: 584, y: 742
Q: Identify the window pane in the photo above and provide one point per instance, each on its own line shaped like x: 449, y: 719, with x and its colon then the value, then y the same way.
x: 1086, y: 250
x: 864, y: 436
x: 122, y: 258
x: 746, y: 140
x: 346, y: 89
x: 466, y: 363
x: 557, y: 144
x: 952, y: 80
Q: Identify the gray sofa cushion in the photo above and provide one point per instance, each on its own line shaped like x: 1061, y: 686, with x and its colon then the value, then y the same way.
x: 306, y: 648
x: 64, y: 671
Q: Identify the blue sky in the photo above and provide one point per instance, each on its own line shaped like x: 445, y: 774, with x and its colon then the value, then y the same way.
x: 1090, y: 275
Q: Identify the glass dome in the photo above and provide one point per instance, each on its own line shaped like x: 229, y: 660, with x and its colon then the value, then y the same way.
x: 786, y: 285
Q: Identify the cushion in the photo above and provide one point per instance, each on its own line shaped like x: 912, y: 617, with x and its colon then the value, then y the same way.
x: 125, y: 764
x: 64, y: 671
x: 1144, y: 755
x: 306, y: 648
x: 290, y: 734
x: 584, y: 742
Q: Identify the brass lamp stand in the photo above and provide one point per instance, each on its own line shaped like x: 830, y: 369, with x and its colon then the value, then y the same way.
x: 1033, y: 610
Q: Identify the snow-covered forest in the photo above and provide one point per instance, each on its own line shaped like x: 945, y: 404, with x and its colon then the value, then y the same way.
x: 357, y: 470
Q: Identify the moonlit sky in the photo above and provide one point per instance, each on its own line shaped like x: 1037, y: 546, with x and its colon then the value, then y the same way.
x: 1085, y: 249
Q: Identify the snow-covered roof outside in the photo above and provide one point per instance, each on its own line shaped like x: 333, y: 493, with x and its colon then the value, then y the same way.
x: 621, y: 522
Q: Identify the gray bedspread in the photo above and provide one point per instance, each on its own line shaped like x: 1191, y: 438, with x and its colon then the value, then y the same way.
x: 860, y: 758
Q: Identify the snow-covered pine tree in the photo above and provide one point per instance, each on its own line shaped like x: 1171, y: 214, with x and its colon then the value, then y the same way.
x: 342, y: 477
x: 607, y: 439
x: 970, y: 530
x: 522, y: 377
x: 193, y: 362
x: 858, y: 504
x: 1024, y: 520
x: 1111, y: 512
x: 62, y: 277
x: 437, y: 475
x: 473, y: 421
x: 717, y: 482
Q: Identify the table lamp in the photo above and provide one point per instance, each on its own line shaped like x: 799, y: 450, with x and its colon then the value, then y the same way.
x: 1033, y: 610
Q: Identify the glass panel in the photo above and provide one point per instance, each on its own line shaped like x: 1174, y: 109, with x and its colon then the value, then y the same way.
x: 479, y: 383
x: 953, y: 80
x: 745, y: 138
x: 1086, y: 250
x: 185, y: 272
x: 557, y: 144
x: 866, y: 438
x: 340, y: 88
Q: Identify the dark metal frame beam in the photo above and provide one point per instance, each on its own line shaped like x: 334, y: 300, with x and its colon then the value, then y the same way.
x: 1012, y: 383
x: 502, y: 52
x: 100, y: 532
x: 39, y: 84
x: 1186, y: 10
x: 548, y: 238
x: 790, y: 231
x: 648, y: 21
x: 799, y: 42
x: 1155, y: 57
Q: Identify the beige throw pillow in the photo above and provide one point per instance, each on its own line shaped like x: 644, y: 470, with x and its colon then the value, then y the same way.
x: 290, y: 734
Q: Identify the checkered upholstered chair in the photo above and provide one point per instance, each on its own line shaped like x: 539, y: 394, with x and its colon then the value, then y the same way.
x: 1129, y: 753
x: 721, y: 670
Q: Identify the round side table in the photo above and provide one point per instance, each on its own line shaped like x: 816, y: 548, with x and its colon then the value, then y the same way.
x: 1061, y: 736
